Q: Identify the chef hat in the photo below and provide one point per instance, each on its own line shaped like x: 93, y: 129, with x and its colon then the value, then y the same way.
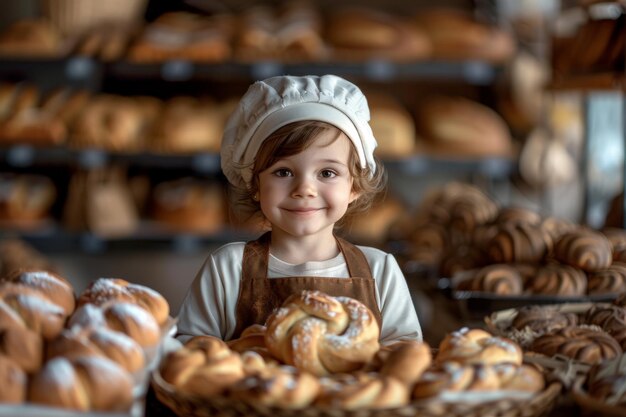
x: 275, y: 102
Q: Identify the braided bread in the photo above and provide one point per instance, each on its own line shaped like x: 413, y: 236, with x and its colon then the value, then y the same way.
x: 204, y: 366
x: 610, y: 280
x: 52, y: 285
x: 518, y: 242
x: 500, y: 279
x: 608, y: 317
x: 127, y: 318
x: 581, y: 343
x: 322, y: 334
x: 13, y: 380
x: 26, y: 307
x: 542, y: 319
x: 477, y: 346
x: 585, y: 249
x: 84, y: 384
x: 281, y: 386
x: 98, y: 341
x: 103, y: 290
x: 404, y: 360
x: 455, y: 377
x: 252, y: 338
x: 364, y: 391
x: 23, y: 346
x: 558, y: 279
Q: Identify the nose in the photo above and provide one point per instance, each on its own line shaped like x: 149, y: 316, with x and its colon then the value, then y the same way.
x: 304, y: 187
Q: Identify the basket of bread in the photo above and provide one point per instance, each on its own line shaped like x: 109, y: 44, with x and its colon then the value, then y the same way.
x: 67, y: 355
x: 603, y: 392
x: 568, y: 340
x: 320, y: 355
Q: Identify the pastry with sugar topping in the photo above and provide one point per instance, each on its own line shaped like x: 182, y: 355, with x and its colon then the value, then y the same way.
x: 477, y: 346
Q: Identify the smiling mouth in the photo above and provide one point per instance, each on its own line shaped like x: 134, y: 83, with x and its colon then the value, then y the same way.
x: 302, y: 211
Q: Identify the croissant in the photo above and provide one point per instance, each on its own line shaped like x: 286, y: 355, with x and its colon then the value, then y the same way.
x: 322, y: 334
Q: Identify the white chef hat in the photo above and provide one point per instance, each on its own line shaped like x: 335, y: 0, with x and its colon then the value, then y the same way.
x: 275, y: 102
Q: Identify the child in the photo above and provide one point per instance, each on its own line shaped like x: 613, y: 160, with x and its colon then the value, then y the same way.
x: 300, y: 152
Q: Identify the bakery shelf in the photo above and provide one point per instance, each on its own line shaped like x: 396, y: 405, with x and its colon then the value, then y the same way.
x: 78, y: 72
x: 492, y: 167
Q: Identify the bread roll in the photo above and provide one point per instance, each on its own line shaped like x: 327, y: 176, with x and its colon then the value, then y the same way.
x: 477, y: 346
x: 104, y: 290
x: 456, y: 377
x: 542, y: 319
x: 586, y: 345
x: 607, y: 281
x: 128, y: 318
x: 392, y: 125
x: 365, y: 391
x: 88, y: 383
x: 57, y: 288
x: 322, y: 334
x: 26, y: 307
x: 406, y: 361
x: 204, y: 366
x: 585, y: 249
x: 558, y: 279
x: 23, y: 346
x: 608, y: 317
x: 518, y: 242
x: 98, y: 341
x: 252, y: 339
x: 518, y: 215
x: 14, y: 382
x: 500, y: 279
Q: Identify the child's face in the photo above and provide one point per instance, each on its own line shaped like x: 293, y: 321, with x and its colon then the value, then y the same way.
x: 307, y: 193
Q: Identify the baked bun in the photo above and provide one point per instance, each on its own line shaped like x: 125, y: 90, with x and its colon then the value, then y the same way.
x: 519, y: 378
x: 88, y: 383
x: 455, y: 377
x: 103, y: 290
x: 252, y: 338
x: 364, y: 391
x: 280, y: 386
x: 98, y: 341
x: 610, y: 280
x: 542, y: 319
x: 392, y: 125
x: 125, y: 317
x: 583, y: 344
x: 26, y: 307
x: 608, y: 317
x: 330, y: 334
x: 518, y: 242
x: 30, y: 38
x: 14, y: 382
x: 52, y: 285
x: 558, y: 279
x: 406, y: 361
x: 23, y: 346
x: 500, y: 279
x: 514, y: 214
x: 204, y: 366
x: 477, y: 346
x: 585, y: 249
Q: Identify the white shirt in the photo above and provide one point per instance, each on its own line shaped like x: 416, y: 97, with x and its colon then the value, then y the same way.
x: 210, y: 304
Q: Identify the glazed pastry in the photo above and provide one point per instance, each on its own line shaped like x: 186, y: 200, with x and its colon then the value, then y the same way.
x: 585, y: 249
x: 364, y: 391
x: 558, y: 279
x: 580, y: 343
x: 477, y: 346
x: 500, y: 279
x: 610, y: 280
x: 542, y: 319
x: 518, y: 242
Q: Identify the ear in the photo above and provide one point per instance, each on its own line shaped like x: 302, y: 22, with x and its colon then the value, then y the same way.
x: 353, y: 196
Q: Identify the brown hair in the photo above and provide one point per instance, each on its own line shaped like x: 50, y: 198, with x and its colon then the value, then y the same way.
x: 290, y: 140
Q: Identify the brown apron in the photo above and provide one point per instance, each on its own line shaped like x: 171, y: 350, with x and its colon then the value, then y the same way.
x: 260, y: 295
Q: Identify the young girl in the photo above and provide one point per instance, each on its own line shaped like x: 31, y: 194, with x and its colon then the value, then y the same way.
x: 298, y: 151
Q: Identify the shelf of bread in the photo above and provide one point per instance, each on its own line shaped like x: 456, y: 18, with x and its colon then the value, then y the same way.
x: 65, y: 353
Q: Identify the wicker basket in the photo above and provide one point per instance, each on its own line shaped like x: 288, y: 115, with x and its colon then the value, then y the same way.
x: 189, y: 406
x: 73, y: 17
x: 593, y: 406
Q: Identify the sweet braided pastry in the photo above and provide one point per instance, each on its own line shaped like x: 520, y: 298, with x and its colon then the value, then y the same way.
x: 363, y: 391
x: 52, y: 285
x: 472, y: 346
x: 608, y: 317
x: 584, y: 344
x: 204, y: 366
x: 585, y: 249
x: 542, y: 319
x: 500, y: 279
x: 518, y: 242
x: 610, y: 280
x: 322, y: 334
x: 558, y: 279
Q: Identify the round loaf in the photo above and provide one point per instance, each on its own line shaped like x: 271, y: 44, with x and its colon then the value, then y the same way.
x: 26, y: 307
x: 585, y: 249
x: 103, y: 290
x: 586, y: 345
x: 88, y: 383
x: 14, y: 382
x: 322, y: 334
x: 52, y: 285
x: 365, y: 391
x: 558, y: 279
x: 98, y: 341
x: 204, y: 366
x: 280, y: 386
x: 610, y: 280
x: 128, y: 318
x: 23, y: 346
x: 518, y: 242
x: 477, y: 346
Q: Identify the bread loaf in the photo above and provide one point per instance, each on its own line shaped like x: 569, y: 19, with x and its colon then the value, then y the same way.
x: 104, y: 290
x: 322, y: 334
x: 204, y: 366
x: 88, y: 383
x: 477, y: 346
x: 585, y: 249
x: 57, y: 288
x: 14, y: 382
x: 98, y: 341
x: 128, y: 318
